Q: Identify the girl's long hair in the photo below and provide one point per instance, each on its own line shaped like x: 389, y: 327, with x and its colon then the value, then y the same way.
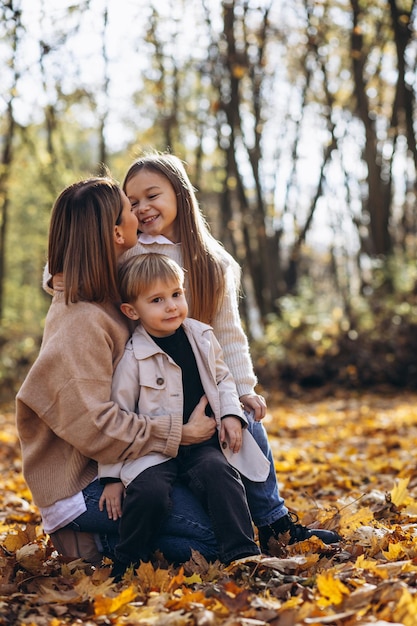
x: 200, y: 250
x: 81, y: 239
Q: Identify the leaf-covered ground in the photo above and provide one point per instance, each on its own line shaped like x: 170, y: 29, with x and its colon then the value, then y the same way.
x: 348, y: 462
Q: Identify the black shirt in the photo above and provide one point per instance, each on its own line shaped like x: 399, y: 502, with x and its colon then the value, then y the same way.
x: 179, y: 349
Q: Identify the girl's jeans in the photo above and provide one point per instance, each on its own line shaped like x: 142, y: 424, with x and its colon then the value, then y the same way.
x: 265, y: 503
x: 187, y: 526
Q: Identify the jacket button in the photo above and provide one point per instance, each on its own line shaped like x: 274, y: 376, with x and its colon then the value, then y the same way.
x: 159, y: 381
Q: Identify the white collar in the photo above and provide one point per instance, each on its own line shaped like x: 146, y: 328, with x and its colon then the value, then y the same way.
x: 144, y: 238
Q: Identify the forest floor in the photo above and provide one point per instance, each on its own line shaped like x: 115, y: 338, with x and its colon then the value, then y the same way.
x: 347, y: 462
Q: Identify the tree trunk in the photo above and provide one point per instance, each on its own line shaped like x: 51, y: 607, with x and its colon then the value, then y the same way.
x: 6, y: 156
x: 377, y: 204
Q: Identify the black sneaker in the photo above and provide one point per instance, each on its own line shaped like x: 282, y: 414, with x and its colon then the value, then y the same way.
x: 298, y: 532
x: 118, y: 570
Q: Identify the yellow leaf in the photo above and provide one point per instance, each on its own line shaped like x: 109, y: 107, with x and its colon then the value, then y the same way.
x: 188, y: 598
x: 399, y: 493
x: 350, y: 522
x: 103, y: 605
x: 190, y: 580
x: 406, y: 610
x: 307, y: 546
x: 177, y: 580
x: 292, y: 603
x: 331, y: 589
x: 395, y: 550
x: 15, y: 540
x: 370, y: 566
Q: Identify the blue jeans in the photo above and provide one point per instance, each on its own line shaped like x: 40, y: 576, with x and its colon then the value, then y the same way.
x: 265, y: 503
x: 187, y: 525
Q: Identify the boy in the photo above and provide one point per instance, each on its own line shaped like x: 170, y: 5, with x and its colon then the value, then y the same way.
x: 173, y: 366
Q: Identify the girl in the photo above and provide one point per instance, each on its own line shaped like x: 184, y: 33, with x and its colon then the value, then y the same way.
x: 65, y: 418
x: 171, y: 223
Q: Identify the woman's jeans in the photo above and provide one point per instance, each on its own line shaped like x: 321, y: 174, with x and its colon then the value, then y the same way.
x: 187, y: 526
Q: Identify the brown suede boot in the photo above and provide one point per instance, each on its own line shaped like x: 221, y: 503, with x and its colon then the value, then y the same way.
x: 76, y: 545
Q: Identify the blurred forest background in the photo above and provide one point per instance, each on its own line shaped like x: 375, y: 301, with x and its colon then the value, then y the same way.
x: 298, y: 122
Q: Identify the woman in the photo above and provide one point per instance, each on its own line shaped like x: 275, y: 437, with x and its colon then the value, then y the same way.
x: 65, y: 419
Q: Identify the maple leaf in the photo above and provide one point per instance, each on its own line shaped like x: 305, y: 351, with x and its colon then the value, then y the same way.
x: 177, y: 580
x: 351, y: 521
x: 150, y: 579
x: 331, y: 589
x: 406, y: 609
x: 17, y: 537
x: 105, y: 605
x: 284, y: 566
x: 197, y: 564
x: 31, y: 556
x: 370, y: 566
x: 395, y: 550
x: 399, y: 493
x: 193, y: 579
x: 186, y: 598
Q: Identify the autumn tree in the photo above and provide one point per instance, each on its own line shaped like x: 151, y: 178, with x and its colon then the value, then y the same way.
x: 12, y: 28
x: 297, y: 123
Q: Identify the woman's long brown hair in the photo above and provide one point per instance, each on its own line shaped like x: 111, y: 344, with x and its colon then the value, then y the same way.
x: 81, y: 239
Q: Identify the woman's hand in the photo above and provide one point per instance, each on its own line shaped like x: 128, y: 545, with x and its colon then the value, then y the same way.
x: 112, y: 498
x: 58, y: 282
x: 199, y: 427
x: 231, y: 433
x: 255, y: 403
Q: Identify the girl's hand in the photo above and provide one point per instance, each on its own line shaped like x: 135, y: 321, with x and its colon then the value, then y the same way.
x: 112, y: 498
x: 231, y: 433
x: 255, y: 403
x: 199, y: 427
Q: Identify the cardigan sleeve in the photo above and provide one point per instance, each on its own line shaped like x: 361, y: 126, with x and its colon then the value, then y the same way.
x: 229, y: 332
x: 226, y: 386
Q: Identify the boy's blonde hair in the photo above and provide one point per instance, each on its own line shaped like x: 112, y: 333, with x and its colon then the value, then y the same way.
x: 140, y: 272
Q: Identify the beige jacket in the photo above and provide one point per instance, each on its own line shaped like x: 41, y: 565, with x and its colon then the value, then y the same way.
x: 147, y: 379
